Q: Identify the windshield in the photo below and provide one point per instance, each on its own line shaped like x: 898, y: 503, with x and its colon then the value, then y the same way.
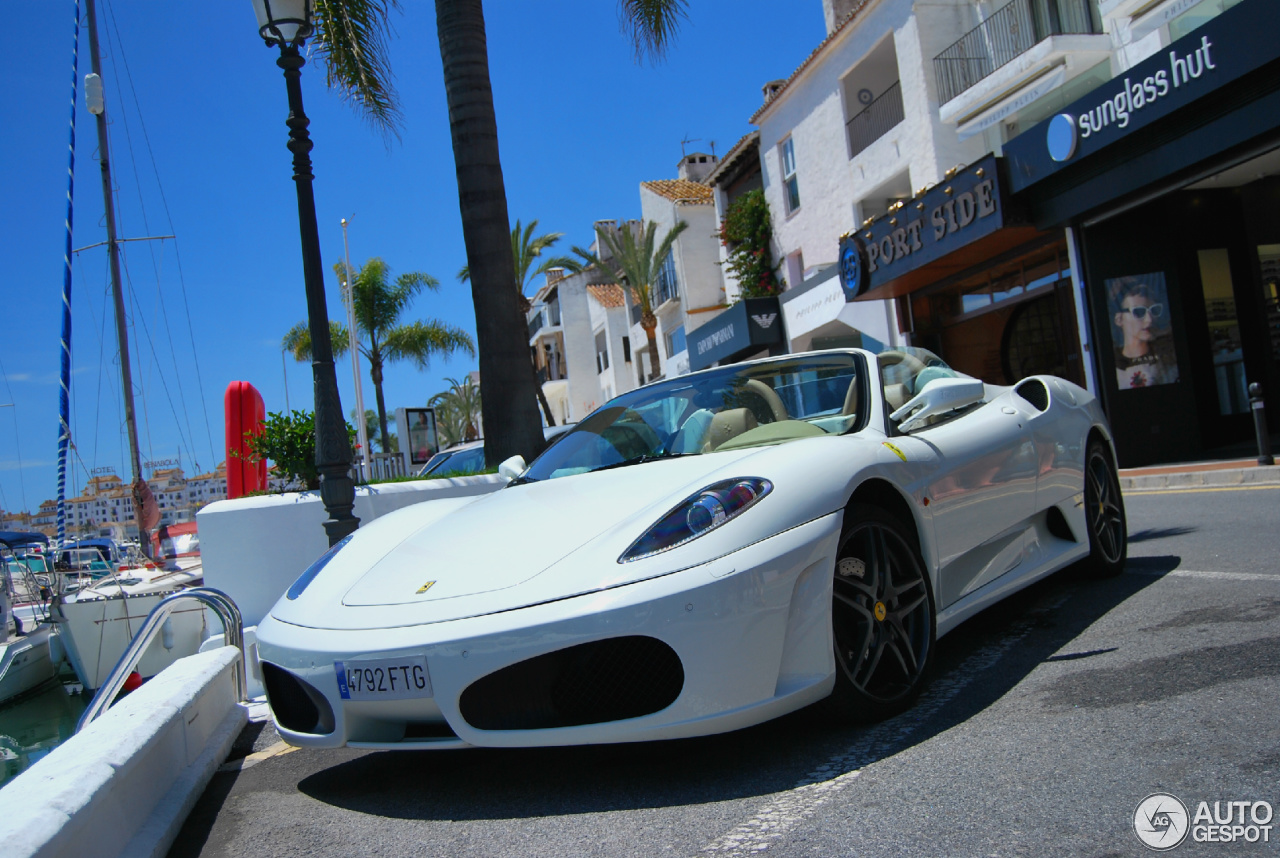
x: 770, y: 402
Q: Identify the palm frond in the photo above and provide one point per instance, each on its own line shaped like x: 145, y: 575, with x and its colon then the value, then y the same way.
x: 298, y: 340
x: 418, y: 341
x: 651, y: 25
x: 351, y: 40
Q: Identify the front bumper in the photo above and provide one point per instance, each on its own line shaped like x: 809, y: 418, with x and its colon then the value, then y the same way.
x: 751, y: 631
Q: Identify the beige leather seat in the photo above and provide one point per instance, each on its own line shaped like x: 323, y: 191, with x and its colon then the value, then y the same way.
x: 729, y: 423
x: 897, y: 395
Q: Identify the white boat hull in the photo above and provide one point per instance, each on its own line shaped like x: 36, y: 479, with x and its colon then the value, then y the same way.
x: 25, y: 663
x: 96, y: 632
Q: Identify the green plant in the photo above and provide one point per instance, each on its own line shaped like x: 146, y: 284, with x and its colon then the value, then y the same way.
x: 746, y: 231
x: 289, y: 440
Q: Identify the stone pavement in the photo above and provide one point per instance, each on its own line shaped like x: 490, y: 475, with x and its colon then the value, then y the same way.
x: 1232, y: 472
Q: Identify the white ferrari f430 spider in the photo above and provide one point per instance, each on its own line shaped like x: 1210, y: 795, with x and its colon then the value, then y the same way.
x: 698, y: 555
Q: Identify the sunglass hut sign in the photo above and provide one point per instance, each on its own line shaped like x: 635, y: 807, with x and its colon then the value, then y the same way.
x: 1117, y: 110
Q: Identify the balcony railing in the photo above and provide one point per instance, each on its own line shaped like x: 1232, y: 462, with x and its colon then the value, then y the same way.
x: 1010, y: 32
x: 545, y: 316
x: 876, y: 119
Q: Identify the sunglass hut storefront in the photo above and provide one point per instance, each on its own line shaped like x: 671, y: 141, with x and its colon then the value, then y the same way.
x: 1168, y: 177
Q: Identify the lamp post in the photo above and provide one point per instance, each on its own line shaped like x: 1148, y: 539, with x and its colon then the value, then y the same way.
x: 287, y: 23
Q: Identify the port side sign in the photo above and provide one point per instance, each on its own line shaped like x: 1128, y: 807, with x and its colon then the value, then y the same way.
x: 1194, y: 67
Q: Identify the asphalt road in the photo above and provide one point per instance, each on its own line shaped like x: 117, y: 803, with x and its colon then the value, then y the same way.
x: 1048, y: 719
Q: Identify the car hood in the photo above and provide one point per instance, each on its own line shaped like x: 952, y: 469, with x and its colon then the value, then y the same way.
x: 549, y: 540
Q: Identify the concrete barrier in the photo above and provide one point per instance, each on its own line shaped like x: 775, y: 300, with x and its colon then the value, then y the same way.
x: 125, y: 784
x: 254, y: 548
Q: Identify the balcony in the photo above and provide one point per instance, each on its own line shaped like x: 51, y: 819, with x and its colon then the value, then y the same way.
x: 876, y: 120
x: 544, y: 316
x: 1010, y: 32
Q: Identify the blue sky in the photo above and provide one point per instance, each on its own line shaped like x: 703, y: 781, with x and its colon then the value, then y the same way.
x: 197, y: 107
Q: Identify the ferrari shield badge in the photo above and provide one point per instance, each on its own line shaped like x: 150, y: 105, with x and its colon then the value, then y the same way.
x: 894, y: 448
x: 425, y: 587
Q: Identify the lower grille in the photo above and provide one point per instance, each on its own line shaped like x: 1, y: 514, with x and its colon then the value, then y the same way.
x: 591, y: 683
x: 297, y: 705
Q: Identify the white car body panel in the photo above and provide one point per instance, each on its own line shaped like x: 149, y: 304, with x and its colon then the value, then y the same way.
x: 476, y: 585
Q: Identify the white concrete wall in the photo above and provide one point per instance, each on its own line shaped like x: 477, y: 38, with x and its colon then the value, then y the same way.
x: 579, y: 346
x: 254, y: 548
x: 125, y: 784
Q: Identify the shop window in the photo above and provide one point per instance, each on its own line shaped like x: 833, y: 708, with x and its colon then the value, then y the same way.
x: 1224, y: 332
x: 1033, y: 341
x: 675, y: 341
x: 1269, y: 262
x: 790, y: 184
x: 1002, y: 285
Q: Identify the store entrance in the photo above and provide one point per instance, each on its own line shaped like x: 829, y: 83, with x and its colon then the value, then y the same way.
x: 1184, y: 306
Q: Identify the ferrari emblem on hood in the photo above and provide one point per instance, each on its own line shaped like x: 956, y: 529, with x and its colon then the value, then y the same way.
x: 425, y: 587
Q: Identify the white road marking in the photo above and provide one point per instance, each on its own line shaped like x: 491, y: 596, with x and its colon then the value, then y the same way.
x: 1190, y: 489
x: 819, y: 786
x: 1215, y: 576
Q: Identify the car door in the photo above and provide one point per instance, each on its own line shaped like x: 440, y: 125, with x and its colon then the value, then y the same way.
x: 981, y: 493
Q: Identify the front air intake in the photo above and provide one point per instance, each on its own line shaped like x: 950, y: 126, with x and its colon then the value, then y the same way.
x: 591, y: 683
x: 297, y: 705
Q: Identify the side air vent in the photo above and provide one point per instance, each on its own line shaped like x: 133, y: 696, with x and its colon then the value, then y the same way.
x: 591, y: 683
x: 297, y: 705
x: 1034, y: 391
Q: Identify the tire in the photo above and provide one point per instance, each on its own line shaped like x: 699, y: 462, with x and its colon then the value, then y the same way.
x: 1104, y: 513
x: 883, y: 624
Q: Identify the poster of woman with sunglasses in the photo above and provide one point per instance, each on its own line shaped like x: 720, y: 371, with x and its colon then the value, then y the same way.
x: 1141, y: 332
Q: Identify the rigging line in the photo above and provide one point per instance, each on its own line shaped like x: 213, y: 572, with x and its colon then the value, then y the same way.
x: 164, y: 384
x: 17, y: 442
x: 146, y: 225
x: 164, y: 203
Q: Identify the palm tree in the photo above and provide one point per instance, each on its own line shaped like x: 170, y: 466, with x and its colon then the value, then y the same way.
x: 635, y: 263
x: 457, y: 410
x: 526, y: 249
x: 378, y: 305
x: 350, y: 36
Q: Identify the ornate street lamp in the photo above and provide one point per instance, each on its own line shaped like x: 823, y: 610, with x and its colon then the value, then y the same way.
x: 287, y: 23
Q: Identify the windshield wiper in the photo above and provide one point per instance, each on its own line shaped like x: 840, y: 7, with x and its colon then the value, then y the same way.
x: 639, y: 460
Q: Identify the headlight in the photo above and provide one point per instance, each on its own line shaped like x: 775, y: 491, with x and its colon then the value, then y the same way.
x: 314, y: 569
x: 698, y: 514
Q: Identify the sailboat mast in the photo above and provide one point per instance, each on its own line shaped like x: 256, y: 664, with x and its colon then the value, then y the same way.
x: 64, y: 375
x: 117, y: 293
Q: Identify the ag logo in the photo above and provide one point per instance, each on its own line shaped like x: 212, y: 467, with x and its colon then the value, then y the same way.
x: 1161, y: 821
x: 764, y: 320
x: 852, y: 271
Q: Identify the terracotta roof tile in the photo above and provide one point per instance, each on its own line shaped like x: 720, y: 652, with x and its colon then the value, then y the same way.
x: 681, y: 191
x: 809, y: 59
x: 608, y: 294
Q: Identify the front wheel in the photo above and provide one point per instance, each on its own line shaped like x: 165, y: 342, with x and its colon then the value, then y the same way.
x: 882, y: 618
x: 1104, y: 511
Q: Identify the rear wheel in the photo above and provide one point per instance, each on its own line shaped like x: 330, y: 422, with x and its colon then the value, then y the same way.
x: 882, y: 618
x: 1104, y: 511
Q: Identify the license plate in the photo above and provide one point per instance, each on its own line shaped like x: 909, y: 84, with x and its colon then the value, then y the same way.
x: 383, y: 678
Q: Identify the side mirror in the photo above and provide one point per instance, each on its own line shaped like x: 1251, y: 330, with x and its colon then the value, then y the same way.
x: 938, y: 397
x: 512, y: 467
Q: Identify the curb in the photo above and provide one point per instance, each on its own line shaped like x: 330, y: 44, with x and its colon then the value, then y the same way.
x: 1224, y: 478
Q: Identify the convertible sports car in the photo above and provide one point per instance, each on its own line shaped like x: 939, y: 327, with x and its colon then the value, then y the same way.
x: 698, y: 555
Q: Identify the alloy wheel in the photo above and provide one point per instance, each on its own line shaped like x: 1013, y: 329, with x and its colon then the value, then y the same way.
x: 882, y: 615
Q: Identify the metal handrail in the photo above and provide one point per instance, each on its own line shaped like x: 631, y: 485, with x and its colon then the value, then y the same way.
x: 1006, y: 34
x: 232, y: 635
x: 876, y: 120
